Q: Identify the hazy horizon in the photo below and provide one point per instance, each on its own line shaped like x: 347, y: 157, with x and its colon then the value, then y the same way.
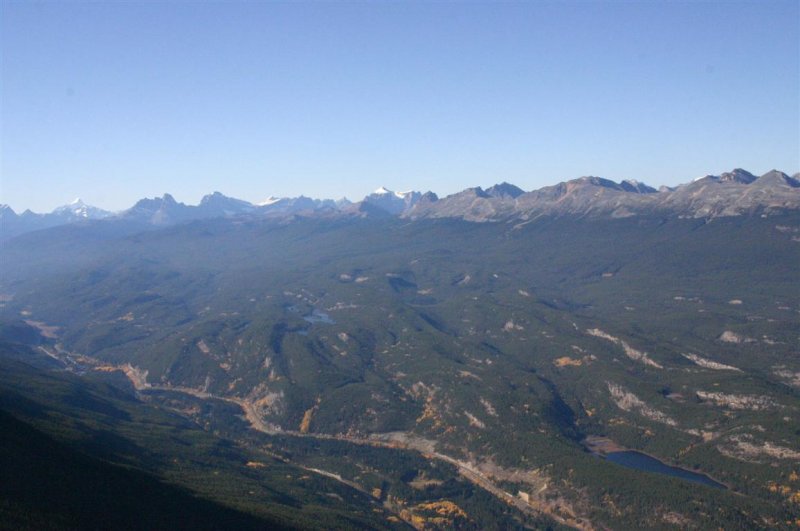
x: 197, y: 201
x: 116, y: 102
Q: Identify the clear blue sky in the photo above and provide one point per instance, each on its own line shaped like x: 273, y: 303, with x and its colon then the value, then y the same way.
x: 117, y: 101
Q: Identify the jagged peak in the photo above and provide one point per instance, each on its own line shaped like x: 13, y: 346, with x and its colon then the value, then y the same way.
x: 429, y: 196
x: 775, y: 172
x: 773, y: 177
x: 211, y: 197
x: 165, y: 199
x: 599, y: 181
x: 505, y: 189
x: 737, y: 175
x: 584, y: 192
x: 219, y: 197
x: 477, y: 191
x: 77, y: 208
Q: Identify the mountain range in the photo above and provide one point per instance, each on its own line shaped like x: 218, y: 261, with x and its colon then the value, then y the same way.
x: 591, y: 355
x: 729, y: 194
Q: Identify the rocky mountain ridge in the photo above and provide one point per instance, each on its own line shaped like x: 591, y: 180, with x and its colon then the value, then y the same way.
x: 729, y: 194
x: 738, y: 192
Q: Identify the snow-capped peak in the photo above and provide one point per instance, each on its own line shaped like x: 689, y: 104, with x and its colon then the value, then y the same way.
x: 393, y: 202
x: 386, y: 192
x: 269, y: 201
x: 80, y: 210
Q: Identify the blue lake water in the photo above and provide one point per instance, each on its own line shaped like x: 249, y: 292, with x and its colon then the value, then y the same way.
x: 639, y: 461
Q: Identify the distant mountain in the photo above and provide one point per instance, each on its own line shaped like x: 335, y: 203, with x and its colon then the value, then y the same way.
x: 78, y: 210
x: 293, y: 205
x: 343, y: 203
x: 12, y: 224
x: 392, y: 202
x: 268, y: 201
x: 635, y: 186
x: 219, y: 205
x: 472, y: 204
x: 6, y: 212
x: 505, y: 189
x: 368, y: 209
x: 158, y: 211
x: 730, y: 194
x: 736, y: 176
x: 733, y: 193
x: 165, y: 210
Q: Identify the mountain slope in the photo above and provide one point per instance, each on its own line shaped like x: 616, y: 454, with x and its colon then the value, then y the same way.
x: 388, y: 351
x: 94, y: 455
x: 44, y: 484
x: 731, y: 194
x: 449, y: 332
x: 77, y: 211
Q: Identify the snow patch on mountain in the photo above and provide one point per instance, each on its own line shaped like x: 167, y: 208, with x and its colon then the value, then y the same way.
x: 394, y: 203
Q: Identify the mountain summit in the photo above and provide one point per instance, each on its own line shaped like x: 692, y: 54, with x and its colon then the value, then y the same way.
x: 394, y: 203
x: 219, y: 205
x: 77, y: 210
x: 506, y: 190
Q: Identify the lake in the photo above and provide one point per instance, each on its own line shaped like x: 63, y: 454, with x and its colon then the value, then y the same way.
x: 317, y: 316
x: 640, y: 461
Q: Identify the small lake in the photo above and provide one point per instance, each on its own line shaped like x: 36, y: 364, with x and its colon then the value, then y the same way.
x: 317, y: 316
x: 640, y: 461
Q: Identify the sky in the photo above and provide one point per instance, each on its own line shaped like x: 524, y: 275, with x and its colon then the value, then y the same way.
x: 116, y: 101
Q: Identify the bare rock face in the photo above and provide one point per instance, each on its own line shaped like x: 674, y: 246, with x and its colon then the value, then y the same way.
x: 733, y: 193
x: 741, y: 402
x: 505, y: 190
x: 736, y: 176
x: 472, y: 204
